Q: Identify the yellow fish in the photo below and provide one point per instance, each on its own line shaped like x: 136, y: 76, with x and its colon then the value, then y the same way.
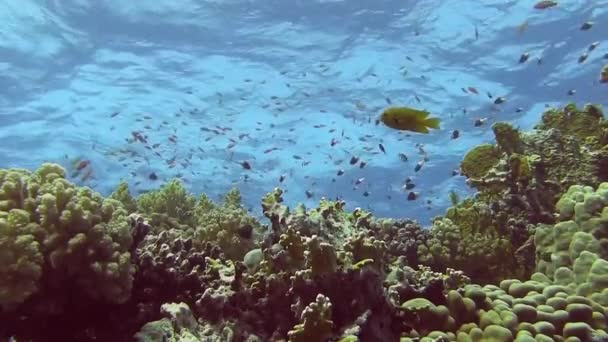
x: 408, y: 119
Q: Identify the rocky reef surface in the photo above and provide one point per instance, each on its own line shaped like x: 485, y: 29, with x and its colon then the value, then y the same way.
x: 525, y: 259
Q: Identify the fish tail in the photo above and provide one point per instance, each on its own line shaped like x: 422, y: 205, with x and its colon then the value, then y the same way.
x: 432, y: 123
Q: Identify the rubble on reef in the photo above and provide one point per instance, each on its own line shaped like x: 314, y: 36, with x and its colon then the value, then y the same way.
x: 525, y: 259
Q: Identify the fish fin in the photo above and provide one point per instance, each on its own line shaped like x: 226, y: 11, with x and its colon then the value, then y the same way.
x: 422, y: 129
x: 432, y: 123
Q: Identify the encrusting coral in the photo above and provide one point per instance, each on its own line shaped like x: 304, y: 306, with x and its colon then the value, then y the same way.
x: 523, y: 260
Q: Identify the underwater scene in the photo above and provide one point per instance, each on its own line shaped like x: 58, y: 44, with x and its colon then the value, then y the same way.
x: 303, y: 171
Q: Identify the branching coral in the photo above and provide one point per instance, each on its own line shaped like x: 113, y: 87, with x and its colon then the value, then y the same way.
x: 229, y: 225
x: 172, y: 200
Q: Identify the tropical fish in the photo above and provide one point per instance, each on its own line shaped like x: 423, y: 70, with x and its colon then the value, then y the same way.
x: 545, y: 4
x: 408, y: 119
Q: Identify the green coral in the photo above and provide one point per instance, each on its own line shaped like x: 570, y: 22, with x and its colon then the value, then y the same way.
x: 228, y: 225
x: 580, y: 123
x: 21, y: 259
x: 172, y: 200
x: 123, y: 195
x: 480, y: 160
x: 508, y: 138
x: 82, y: 238
x: 485, y: 257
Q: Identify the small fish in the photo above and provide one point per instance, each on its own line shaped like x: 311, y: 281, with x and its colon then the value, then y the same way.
x: 334, y: 141
x: 354, y: 160
x: 362, y: 164
x: 82, y: 164
x: 544, y: 4
x: 382, y: 148
x: 152, y: 176
x: 583, y: 58
x: 593, y: 46
x: 455, y: 134
x: 418, y: 166
x: 571, y: 92
x: 524, y: 57
x: 455, y: 172
x: 587, y: 25
x: 500, y: 100
x: 340, y: 172
x: 480, y: 122
x: 359, y: 181
x: 246, y: 165
x: 281, y: 178
x: 519, y: 110
x: 473, y: 90
x: 412, y: 196
x: 366, y: 193
x: 402, y: 157
x: 309, y: 194
x: 409, y: 184
x: 114, y: 114
x: 408, y: 119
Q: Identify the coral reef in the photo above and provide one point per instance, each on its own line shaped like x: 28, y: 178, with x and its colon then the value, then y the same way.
x: 525, y: 259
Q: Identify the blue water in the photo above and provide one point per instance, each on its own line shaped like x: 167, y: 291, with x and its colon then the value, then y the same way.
x: 78, y: 77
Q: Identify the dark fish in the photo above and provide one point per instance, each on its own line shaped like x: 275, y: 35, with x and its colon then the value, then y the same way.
x: 82, y: 164
x: 362, y: 164
x: 403, y: 157
x: 455, y: 172
x: 281, y: 178
x: 586, y: 25
x: 544, y: 4
x: 571, y: 92
x: 152, y: 176
x: 489, y: 95
x: 309, y: 194
x: 500, y: 100
x: 583, y: 58
x: 340, y: 172
x: 409, y: 185
x: 382, y: 148
x: 524, y: 57
x: 245, y: 164
x: 412, y: 196
x: 114, y: 114
x: 354, y: 160
x: 519, y: 110
x: 359, y: 181
x: 455, y: 134
x: 593, y: 46
x: 480, y: 122
x: 418, y: 166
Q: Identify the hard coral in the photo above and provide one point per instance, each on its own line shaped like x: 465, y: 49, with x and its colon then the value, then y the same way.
x: 172, y: 200
x: 66, y: 250
x: 229, y: 226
